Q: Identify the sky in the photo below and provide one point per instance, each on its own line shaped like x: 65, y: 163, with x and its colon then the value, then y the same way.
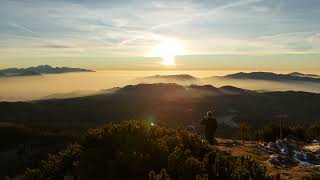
x: 117, y: 34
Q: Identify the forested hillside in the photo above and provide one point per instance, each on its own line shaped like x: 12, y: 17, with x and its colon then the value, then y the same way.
x: 169, y: 104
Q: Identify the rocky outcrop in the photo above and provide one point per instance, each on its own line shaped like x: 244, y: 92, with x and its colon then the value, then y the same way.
x: 289, y: 151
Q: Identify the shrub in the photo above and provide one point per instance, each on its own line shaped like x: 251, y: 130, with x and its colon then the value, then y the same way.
x: 313, y: 132
x: 244, y: 132
x: 136, y: 150
x: 314, y: 176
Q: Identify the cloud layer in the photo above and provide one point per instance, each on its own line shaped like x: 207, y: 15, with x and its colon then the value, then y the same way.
x: 117, y: 28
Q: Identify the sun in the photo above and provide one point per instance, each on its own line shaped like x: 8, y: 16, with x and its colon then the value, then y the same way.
x: 167, y: 50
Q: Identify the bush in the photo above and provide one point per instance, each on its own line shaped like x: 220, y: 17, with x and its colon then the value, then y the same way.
x: 314, y: 176
x: 136, y: 150
x: 313, y: 132
x: 244, y: 132
x: 56, y: 165
x: 271, y: 132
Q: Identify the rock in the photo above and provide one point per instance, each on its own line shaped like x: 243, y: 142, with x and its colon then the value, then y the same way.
x: 191, y: 129
x: 236, y: 143
x: 232, y: 143
x: 274, y: 160
x: 288, y: 151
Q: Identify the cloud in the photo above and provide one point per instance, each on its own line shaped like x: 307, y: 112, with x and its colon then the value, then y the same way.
x: 55, y: 46
x: 22, y: 28
x: 132, y: 28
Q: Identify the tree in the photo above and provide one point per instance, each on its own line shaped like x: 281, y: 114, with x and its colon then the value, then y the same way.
x: 244, y: 132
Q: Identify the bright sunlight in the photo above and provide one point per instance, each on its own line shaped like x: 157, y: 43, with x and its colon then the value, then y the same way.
x: 167, y: 50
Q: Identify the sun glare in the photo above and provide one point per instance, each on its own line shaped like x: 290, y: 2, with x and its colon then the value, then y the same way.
x: 167, y: 50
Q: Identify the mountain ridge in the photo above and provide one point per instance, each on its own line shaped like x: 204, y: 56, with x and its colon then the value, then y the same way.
x: 166, y: 102
x: 304, y: 75
x: 271, y: 77
x: 267, y: 76
x: 39, y: 70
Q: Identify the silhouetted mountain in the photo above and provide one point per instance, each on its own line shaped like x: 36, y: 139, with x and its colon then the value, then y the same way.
x: 304, y: 75
x: 152, y: 88
x: 234, y: 90
x: 168, y: 104
x: 186, y: 79
x: 205, y: 88
x: 29, y: 73
x: 179, y: 77
x: 69, y: 95
x: 42, y: 69
x: 173, y: 90
x: 271, y: 77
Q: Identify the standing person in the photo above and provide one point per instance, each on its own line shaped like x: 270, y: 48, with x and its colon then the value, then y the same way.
x: 211, y: 125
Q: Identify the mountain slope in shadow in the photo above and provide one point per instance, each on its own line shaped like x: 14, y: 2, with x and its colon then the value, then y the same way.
x: 169, y: 104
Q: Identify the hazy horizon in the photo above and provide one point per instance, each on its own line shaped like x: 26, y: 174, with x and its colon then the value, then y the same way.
x: 192, y: 62
x: 25, y: 88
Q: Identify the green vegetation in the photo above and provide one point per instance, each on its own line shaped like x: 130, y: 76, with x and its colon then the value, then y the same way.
x: 137, y: 150
x: 271, y: 132
x: 22, y: 147
x: 244, y: 132
x: 314, y: 176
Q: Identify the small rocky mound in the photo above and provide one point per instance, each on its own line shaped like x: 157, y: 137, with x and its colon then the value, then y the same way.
x: 286, y: 152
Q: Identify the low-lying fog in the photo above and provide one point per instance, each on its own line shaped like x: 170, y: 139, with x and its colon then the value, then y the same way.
x: 77, y: 84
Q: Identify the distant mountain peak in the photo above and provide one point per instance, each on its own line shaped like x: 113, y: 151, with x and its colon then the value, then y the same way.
x: 270, y: 76
x: 234, y: 90
x: 173, y: 77
x: 44, y: 66
x: 295, y: 74
x: 304, y: 75
x: 38, y: 70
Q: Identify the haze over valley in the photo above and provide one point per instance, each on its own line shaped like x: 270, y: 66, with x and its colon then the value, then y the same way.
x: 25, y: 88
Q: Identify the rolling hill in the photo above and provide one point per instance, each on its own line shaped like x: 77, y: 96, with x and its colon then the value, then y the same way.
x: 169, y: 104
